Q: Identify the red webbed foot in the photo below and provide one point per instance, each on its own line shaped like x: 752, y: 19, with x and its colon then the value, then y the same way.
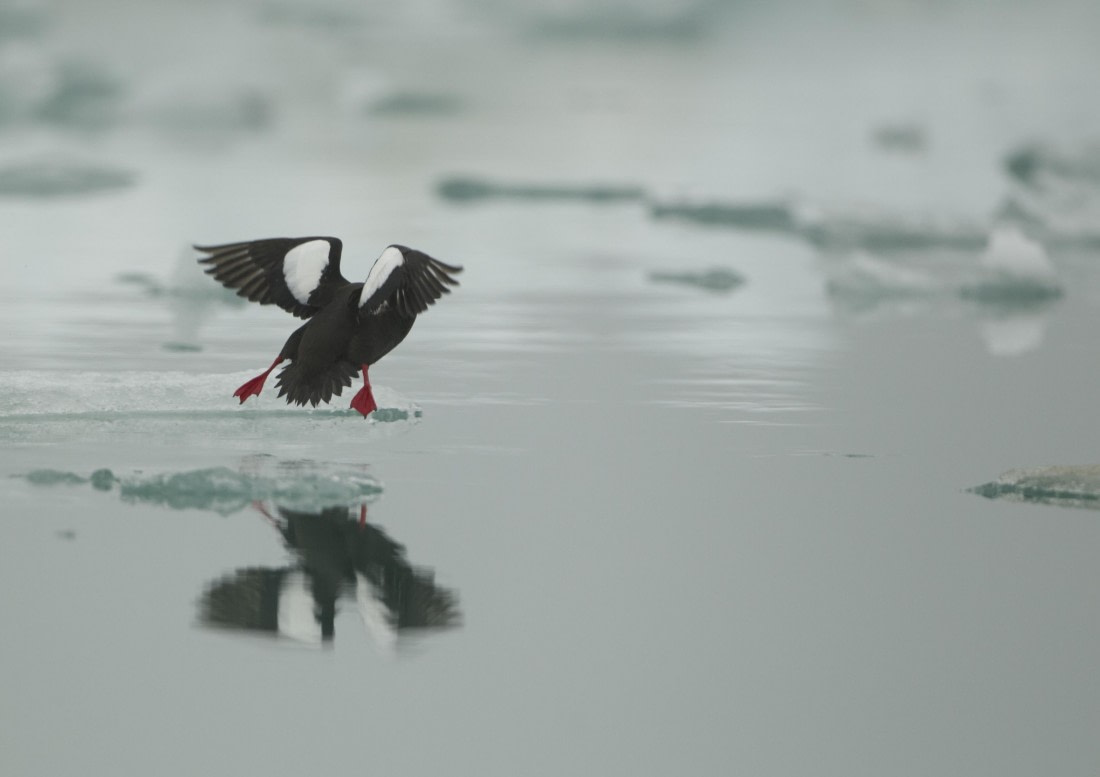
x: 253, y: 387
x: 363, y: 401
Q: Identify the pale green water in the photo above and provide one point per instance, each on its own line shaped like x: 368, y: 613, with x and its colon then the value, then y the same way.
x: 652, y: 522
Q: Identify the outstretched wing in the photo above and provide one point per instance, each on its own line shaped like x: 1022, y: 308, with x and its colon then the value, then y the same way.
x: 407, y: 280
x: 299, y: 274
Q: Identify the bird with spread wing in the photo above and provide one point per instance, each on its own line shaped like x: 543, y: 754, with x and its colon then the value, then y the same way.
x: 349, y: 326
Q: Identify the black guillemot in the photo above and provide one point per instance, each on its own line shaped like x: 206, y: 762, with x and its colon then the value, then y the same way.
x: 351, y: 325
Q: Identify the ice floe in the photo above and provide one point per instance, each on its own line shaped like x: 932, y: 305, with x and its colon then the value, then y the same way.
x: 38, y: 87
x: 467, y: 188
x: 61, y: 177
x: 414, y: 104
x: 1015, y: 270
x: 30, y: 395
x: 1010, y: 288
x: 718, y: 279
x: 1055, y: 193
x: 900, y: 137
x: 830, y: 229
x: 290, y: 484
x: 766, y: 216
x: 1043, y: 165
x: 1064, y: 486
x: 621, y: 20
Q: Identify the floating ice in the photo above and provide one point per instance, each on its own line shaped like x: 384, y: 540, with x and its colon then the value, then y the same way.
x: 1010, y: 252
x: 778, y: 216
x: 1064, y: 486
x: 58, y: 177
x: 426, y: 104
x: 677, y: 21
x: 462, y: 188
x: 719, y: 279
x: 1056, y: 194
x: 196, y: 114
x: 1013, y: 290
x: 36, y: 87
x: 880, y: 232
x: 830, y: 229
x: 83, y: 96
x: 291, y: 484
x: 903, y: 137
x: 1015, y: 270
x: 41, y: 394
x: 1039, y: 165
x: 330, y: 17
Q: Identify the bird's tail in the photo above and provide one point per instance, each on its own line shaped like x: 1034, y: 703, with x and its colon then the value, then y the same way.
x: 315, y: 387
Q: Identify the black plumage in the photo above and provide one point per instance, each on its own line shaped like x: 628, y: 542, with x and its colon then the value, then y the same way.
x: 350, y: 326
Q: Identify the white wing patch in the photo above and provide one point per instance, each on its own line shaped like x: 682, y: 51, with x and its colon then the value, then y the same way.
x: 302, y: 268
x: 390, y: 260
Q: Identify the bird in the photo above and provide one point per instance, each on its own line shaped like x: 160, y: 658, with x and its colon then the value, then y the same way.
x: 349, y: 327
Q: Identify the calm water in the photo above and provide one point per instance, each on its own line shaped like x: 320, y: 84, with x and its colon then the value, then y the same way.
x: 660, y: 489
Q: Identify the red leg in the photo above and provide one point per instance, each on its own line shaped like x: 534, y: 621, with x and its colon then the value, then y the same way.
x: 362, y: 517
x: 252, y: 387
x: 364, y: 400
x: 258, y: 505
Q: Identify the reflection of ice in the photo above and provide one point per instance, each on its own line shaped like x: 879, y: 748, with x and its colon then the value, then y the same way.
x: 1065, y: 486
x: 1013, y: 335
x: 189, y: 296
x: 864, y: 282
x: 192, y: 299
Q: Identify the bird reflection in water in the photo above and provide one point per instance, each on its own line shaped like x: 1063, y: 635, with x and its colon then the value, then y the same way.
x: 338, y: 556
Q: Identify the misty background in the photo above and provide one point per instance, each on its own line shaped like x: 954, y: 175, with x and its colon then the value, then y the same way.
x: 759, y: 302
